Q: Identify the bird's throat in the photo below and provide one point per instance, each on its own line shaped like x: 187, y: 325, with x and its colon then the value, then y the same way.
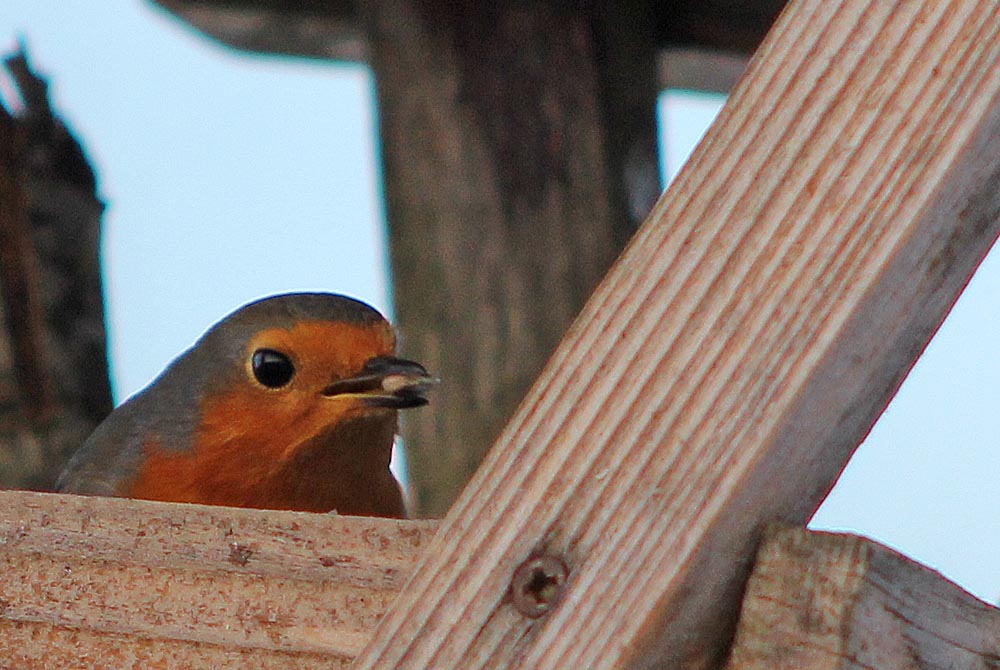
x: 345, y: 468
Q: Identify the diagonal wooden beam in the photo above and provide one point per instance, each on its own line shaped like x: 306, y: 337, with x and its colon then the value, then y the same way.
x: 728, y: 366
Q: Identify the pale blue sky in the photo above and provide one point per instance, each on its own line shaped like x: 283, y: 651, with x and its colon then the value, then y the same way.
x: 223, y: 174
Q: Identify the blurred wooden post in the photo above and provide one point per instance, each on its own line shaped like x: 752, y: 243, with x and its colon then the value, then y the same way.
x: 519, y: 151
x: 54, y: 386
x: 727, y: 367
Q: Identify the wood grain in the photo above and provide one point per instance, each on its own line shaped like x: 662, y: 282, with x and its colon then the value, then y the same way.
x: 112, y: 583
x: 825, y: 601
x: 728, y: 366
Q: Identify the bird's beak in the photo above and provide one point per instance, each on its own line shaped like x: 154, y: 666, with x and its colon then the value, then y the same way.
x: 385, y: 381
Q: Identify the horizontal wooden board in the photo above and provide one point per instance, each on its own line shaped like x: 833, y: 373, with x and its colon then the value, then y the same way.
x: 827, y: 601
x: 112, y: 583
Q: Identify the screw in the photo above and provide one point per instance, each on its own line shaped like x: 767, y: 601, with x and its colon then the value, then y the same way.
x: 537, y: 585
x: 239, y: 554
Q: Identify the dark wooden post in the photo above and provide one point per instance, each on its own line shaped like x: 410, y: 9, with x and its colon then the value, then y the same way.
x: 54, y: 385
x: 516, y: 167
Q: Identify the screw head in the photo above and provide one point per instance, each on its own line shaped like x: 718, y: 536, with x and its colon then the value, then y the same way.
x: 537, y: 585
x: 239, y: 554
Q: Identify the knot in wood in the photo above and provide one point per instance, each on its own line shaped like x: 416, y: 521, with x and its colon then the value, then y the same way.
x: 537, y: 585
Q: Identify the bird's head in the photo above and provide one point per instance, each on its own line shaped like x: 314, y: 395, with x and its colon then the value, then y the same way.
x: 289, y: 392
x: 309, y: 360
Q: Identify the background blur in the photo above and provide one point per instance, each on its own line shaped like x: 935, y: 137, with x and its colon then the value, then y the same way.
x: 214, y: 203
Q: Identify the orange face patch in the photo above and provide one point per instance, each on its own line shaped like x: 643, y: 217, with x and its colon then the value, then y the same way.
x: 323, y: 352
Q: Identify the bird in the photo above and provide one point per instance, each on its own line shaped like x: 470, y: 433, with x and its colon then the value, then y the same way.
x: 290, y: 402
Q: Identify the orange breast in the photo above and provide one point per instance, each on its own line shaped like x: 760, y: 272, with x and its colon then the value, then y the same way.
x: 318, y: 478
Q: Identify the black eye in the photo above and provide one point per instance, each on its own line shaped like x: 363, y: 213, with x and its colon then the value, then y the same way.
x: 272, y: 368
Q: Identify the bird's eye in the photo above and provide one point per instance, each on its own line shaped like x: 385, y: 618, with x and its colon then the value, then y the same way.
x: 272, y: 368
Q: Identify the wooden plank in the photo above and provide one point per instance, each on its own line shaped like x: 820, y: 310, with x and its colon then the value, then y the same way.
x: 730, y: 363
x: 818, y: 601
x: 326, y: 29
x: 700, y: 69
x: 112, y: 583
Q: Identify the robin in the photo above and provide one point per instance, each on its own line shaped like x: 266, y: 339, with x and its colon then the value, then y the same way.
x: 287, y: 403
